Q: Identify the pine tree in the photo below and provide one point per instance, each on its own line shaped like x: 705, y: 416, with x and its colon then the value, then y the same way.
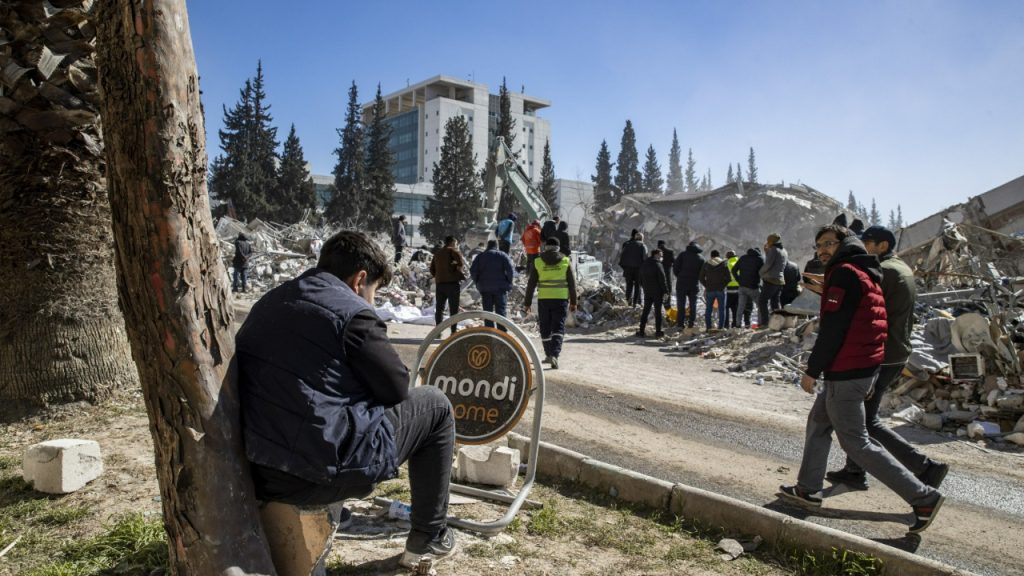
x: 739, y: 173
x: 604, y: 192
x: 379, y: 197
x: 874, y: 217
x: 231, y: 173
x: 729, y: 178
x: 708, y: 184
x: 452, y: 208
x: 892, y: 220
x: 346, y: 205
x: 263, y: 177
x: 851, y: 203
x: 675, y: 169
x: 691, y: 173
x: 295, y: 192
x: 547, y: 180
x: 653, y: 183
x: 899, y: 217
x: 507, y: 130
x: 751, y: 167
x: 628, y: 179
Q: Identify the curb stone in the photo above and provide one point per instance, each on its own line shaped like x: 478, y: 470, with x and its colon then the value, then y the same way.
x: 718, y: 510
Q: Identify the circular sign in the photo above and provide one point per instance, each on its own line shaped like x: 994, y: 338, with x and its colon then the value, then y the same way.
x: 486, y: 375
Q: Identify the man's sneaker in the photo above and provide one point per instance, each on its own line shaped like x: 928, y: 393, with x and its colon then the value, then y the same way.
x: 934, y: 474
x: 346, y: 520
x: 855, y: 480
x: 659, y: 334
x: 419, y: 544
x: 796, y: 495
x: 554, y: 362
x: 925, y: 514
x: 546, y: 360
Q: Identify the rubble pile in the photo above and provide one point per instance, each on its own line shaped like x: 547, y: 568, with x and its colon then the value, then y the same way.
x: 280, y: 252
x: 966, y: 256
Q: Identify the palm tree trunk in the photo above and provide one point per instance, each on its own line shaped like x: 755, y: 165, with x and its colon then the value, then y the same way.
x: 62, y: 334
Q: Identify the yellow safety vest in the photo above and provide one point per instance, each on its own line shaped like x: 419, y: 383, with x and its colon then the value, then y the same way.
x: 552, y: 284
x: 733, y: 282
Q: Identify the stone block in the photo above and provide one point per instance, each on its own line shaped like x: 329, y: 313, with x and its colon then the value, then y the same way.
x: 626, y: 485
x: 493, y: 466
x: 299, y: 537
x: 62, y: 466
x: 552, y: 461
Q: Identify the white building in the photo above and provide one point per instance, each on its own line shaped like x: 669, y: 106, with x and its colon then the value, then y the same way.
x: 418, y: 114
x: 575, y: 199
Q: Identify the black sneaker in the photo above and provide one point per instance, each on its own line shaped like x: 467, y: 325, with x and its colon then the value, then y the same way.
x: 934, y: 474
x: 345, y: 520
x: 659, y: 334
x: 640, y: 334
x: 419, y: 544
x: 925, y: 514
x: 796, y: 495
x: 845, y: 476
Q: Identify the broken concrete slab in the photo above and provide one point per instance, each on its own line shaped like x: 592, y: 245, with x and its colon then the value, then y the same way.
x: 489, y: 465
x: 62, y: 466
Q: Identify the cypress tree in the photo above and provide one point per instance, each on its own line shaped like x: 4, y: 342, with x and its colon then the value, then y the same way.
x: 707, y: 181
x: 263, y: 176
x: 652, y: 180
x: 892, y: 220
x: 294, y: 193
x: 346, y: 205
x: 628, y: 179
x: 851, y: 203
x: 874, y: 217
x: 675, y: 169
x: 231, y: 173
x: 452, y: 208
x: 739, y: 173
x: 604, y: 191
x: 379, y: 198
x: 547, y: 180
x: 729, y: 179
x: 507, y: 130
x: 899, y: 217
x: 691, y: 173
x: 751, y: 167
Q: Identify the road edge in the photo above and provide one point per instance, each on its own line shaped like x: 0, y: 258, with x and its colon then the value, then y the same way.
x: 692, y: 503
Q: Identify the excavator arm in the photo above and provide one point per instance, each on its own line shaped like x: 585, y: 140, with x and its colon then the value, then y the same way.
x: 503, y: 171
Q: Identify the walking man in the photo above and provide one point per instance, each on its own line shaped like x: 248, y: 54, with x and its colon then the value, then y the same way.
x: 326, y: 408
x: 849, y: 349
x: 652, y: 276
x: 531, y: 242
x: 687, y: 268
x: 552, y: 277
x: 398, y: 237
x: 633, y: 254
x: 899, y: 291
x: 449, y: 270
x: 492, y: 271
x: 714, y: 276
x: 747, y: 272
x: 772, y: 277
x: 240, y: 263
x: 504, y: 232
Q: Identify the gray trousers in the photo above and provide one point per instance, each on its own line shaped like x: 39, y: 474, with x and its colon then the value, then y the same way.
x: 751, y: 294
x: 840, y: 407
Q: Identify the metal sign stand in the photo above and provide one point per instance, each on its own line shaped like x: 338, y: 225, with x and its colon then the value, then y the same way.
x: 516, y: 502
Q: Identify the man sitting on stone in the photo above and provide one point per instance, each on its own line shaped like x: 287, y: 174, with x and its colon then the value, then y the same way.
x: 326, y: 407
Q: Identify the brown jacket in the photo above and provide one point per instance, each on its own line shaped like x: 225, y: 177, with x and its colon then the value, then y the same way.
x: 448, y: 266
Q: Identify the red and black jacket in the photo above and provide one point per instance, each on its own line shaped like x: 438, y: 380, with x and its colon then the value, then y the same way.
x: 853, y: 326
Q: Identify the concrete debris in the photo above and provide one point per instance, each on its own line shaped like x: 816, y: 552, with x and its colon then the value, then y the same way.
x: 62, y: 466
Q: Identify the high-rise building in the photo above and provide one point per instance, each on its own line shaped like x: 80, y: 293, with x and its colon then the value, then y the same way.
x: 418, y: 113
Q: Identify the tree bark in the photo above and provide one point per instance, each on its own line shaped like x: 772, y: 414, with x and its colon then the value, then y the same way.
x: 173, y: 286
x: 62, y: 334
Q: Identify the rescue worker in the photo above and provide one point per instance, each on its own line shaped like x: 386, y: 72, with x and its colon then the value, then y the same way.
x: 531, y: 242
x: 553, y: 279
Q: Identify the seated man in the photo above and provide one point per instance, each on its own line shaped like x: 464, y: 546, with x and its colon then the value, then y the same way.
x: 326, y: 407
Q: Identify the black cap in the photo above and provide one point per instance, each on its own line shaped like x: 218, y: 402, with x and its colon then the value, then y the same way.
x: 552, y: 242
x: 879, y: 234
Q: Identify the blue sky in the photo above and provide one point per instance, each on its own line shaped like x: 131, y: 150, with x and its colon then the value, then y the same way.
x: 916, y: 103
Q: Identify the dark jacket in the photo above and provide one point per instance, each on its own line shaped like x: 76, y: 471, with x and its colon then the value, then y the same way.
x: 747, y: 269
x: 688, y: 265
x: 548, y: 230
x: 315, y: 375
x: 492, y: 271
x: 791, y: 276
x: 634, y: 252
x: 774, y: 264
x: 653, y: 279
x: 900, y: 292
x: 550, y: 257
x: 448, y: 266
x: 243, y: 251
x: 398, y: 237
x: 714, y: 275
x: 814, y: 266
x: 562, y: 233
x: 852, y: 329
x: 668, y: 258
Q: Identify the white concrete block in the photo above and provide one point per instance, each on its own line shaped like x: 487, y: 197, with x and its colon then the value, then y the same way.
x: 487, y: 465
x: 62, y: 466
